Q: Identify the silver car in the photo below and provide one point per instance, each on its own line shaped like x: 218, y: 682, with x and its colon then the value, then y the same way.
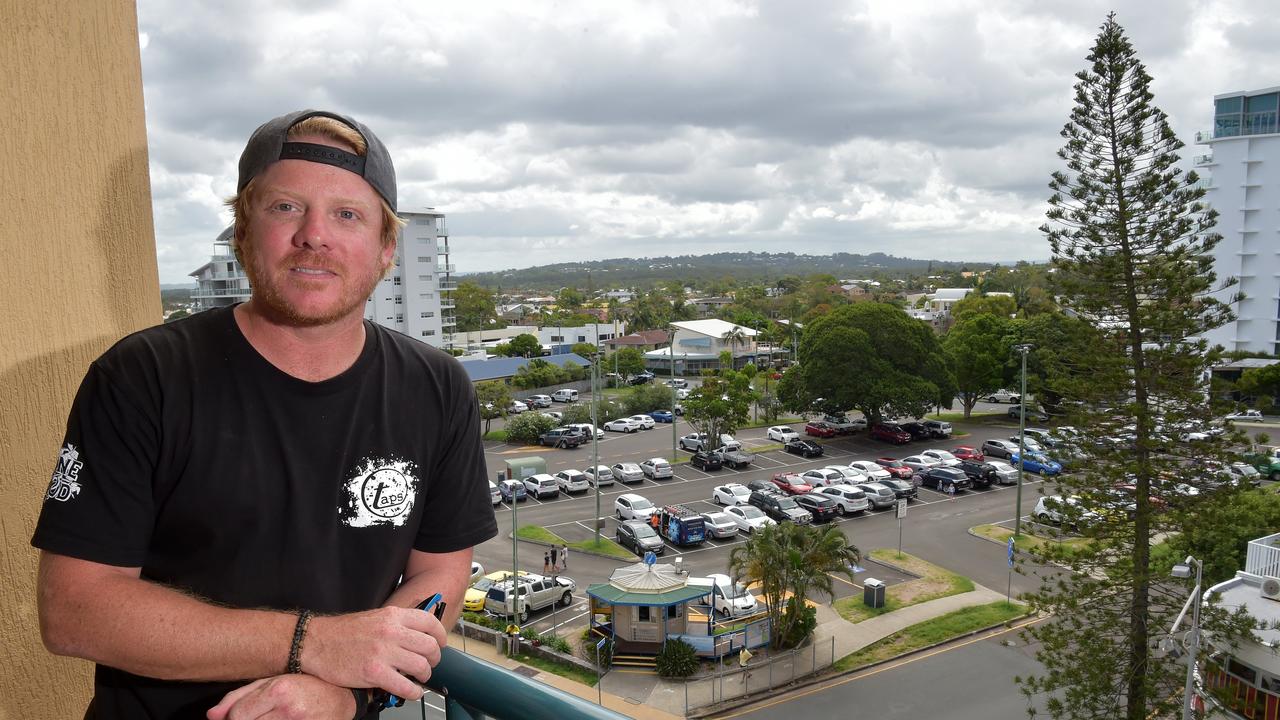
x: 657, y: 469
x: 599, y: 476
x: 719, y: 525
x: 627, y: 473
x: 879, y: 495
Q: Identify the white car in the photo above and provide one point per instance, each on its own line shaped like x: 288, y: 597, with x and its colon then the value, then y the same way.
x: 538, y: 401
x: 1028, y: 442
x: 646, y: 422
x: 630, y: 506
x: 476, y: 571
x: 693, y: 442
x: 719, y: 525
x: 1006, y: 474
x: 1245, y: 415
x: 599, y: 475
x: 731, y: 494
x: 588, y: 429
x: 541, y: 485
x: 495, y: 495
x: 822, y: 477
x: 626, y: 425
x: 749, y: 518
x: 850, y: 499
x: 1053, y: 508
x: 572, y: 481
x: 554, y: 415
x: 627, y: 473
x: 656, y: 469
x: 728, y: 598
x: 920, y: 463
x: 1003, y: 396
x: 782, y: 434
x: 943, y: 457
x: 565, y: 395
x: 682, y: 394
x: 850, y: 474
x: 871, y: 470
x: 516, y: 407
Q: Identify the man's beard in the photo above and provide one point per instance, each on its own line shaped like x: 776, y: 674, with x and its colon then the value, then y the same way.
x: 269, y: 299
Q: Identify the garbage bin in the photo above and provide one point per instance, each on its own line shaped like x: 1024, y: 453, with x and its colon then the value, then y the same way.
x: 873, y: 593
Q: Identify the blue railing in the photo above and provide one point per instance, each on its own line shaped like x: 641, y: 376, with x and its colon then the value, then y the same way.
x: 474, y: 689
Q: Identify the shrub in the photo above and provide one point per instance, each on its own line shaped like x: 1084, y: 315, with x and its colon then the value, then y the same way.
x: 587, y: 648
x: 482, y: 620
x: 576, y: 414
x: 677, y: 659
x: 805, y: 624
x: 651, y: 396
x: 526, y: 427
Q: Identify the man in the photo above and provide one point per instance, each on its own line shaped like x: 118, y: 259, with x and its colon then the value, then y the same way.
x: 250, y: 501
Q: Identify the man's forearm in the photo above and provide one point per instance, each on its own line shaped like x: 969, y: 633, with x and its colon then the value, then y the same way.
x: 426, y: 574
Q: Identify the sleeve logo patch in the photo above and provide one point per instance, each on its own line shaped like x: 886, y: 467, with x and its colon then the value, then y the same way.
x: 66, y: 475
x: 382, y: 492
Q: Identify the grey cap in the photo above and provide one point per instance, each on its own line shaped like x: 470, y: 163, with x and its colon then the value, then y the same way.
x: 270, y: 143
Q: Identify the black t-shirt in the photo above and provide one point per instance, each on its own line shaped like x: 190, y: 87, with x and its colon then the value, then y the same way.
x: 189, y: 455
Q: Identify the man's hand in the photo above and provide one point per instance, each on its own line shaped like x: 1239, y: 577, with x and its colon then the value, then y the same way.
x: 375, y: 649
x: 284, y: 697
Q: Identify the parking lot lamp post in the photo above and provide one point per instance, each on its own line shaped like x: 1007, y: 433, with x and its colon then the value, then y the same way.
x: 515, y: 564
x: 1022, y: 436
x: 1183, y: 570
x: 671, y: 349
x: 595, y: 439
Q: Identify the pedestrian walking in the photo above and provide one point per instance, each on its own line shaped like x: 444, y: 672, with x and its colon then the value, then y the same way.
x: 555, y: 558
x: 564, y: 557
x: 546, y: 563
x: 951, y: 491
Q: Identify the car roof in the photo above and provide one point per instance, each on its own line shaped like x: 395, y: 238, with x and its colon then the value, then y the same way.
x: 631, y: 496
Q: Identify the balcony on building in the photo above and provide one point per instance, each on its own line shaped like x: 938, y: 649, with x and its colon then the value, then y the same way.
x: 442, y: 247
x: 446, y: 268
x: 447, y: 285
x: 448, y: 321
x: 1202, y: 160
x: 1240, y: 114
x: 447, y: 303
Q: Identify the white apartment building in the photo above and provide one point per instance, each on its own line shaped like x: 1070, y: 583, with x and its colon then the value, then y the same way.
x: 415, y: 298
x: 1243, y: 169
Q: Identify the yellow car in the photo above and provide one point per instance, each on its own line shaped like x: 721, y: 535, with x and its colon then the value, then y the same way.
x: 473, y: 601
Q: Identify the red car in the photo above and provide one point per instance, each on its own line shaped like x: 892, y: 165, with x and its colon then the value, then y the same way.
x: 890, y: 433
x: 792, y: 484
x: 964, y: 452
x: 895, y: 468
x: 820, y: 429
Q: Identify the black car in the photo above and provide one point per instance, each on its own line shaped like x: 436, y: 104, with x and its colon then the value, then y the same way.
x: 917, y: 430
x: 704, y: 460
x: 780, y: 507
x: 820, y: 507
x: 805, y: 448
x: 762, y: 485
x: 901, y: 488
x: 939, y: 478
x: 982, y: 474
x: 639, y: 537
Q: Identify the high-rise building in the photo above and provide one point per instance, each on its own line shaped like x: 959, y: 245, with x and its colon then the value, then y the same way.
x: 1243, y: 167
x: 415, y: 298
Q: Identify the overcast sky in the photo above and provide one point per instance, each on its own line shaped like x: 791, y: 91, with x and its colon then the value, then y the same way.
x: 557, y: 131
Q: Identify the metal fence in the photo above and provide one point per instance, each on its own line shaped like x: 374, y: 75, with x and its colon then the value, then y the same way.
x: 765, y: 671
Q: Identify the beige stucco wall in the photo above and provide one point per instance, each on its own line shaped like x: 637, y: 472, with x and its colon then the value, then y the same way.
x: 78, y: 271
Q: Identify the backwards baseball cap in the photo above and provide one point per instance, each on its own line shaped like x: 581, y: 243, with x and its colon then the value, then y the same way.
x: 270, y: 143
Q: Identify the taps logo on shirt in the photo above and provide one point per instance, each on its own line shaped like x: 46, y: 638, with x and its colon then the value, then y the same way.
x: 66, y: 475
x: 381, y: 492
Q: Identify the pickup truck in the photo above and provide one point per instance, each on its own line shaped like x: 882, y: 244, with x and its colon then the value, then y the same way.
x: 1267, y: 461
x: 1003, y: 396
x: 733, y: 455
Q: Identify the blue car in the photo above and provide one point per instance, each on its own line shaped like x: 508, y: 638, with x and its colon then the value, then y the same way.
x: 661, y: 415
x: 510, y: 488
x: 1037, y: 463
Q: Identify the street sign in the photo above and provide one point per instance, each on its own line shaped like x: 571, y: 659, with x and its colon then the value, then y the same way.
x: 600, y: 645
x: 650, y: 558
x: 1011, y: 552
x: 902, y: 508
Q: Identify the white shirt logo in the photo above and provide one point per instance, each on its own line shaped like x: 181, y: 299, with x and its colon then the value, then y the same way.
x: 66, y: 475
x: 381, y: 492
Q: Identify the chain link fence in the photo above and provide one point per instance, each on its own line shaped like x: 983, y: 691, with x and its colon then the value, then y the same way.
x: 766, y: 670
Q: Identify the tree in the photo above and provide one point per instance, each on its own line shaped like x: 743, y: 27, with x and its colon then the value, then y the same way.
x: 1259, y: 382
x: 494, y: 396
x: 977, y: 352
x: 474, y: 307
x: 628, y: 361
x: 720, y: 405
x: 872, y: 357
x: 736, y: 335
x: 524, y: 345
x: 1001, y: 306
x: 795, y: 559
x: 1131, y: 246
x: 569, y: 299
x: 586, y: 350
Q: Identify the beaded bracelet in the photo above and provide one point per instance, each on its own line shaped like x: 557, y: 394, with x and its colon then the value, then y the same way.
x: 295, y: 651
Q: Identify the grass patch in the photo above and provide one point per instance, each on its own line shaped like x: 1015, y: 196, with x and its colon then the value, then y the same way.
x: 978, y: 417
x: 537, y: 533
x: 571, y: 672
x: 1030, y: 542
x: 931, y: 632
x: 933, y: 582
x: 779, y: 421
x: 607, y: 547
x: 498, y: 435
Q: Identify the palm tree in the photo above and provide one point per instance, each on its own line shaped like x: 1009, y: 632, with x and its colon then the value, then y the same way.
x: 737, y: 334
x: 794, y: 559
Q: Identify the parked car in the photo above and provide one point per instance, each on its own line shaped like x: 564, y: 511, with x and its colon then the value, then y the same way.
x: 623, y: 425
x: 920, y: 463
x: 588, y: 430
x: 782, y: 433
x: 849, y: 498
x: 942, y: 478
x: 553, y: 414
x: 639, y: 537
x: 916, y: 430
x: 852, y: 474
x: 629, y: 506
x: 965, y: 452
x: 565, y: 395
x: 890, y: 432
x: 1006, y: 474
x: 1015, y: 411
x: 640, y: 379
x: 895, y: 468
x: 872, y: 470
x: 719, y: 525
x: 749, y: 518
x: 821, y: 477
x: 943, y: 457
x: 733, y: 455
x: 662, y: 416
x: 542, y: 485
x: 821, y: 507
x: 819, y: 428
x: 657, y: 469
x: 843, y: 425
x: 562, y: 437
x: 495, y: 495
x: 677, y: 383
x: 516, y: 407
x: 938, y: 428
x: 804, y: 448
x: 728, y: 598
x: 791, y: 483
x: 1037, y: 463
x: 627, y: 472
x: 1003, y: 396
x: 599, y: 476
x: 901, y: 488
x: 1059, y: 509
x: 538, y: 401
x: 730, y: 494
x: 511, y: 488
x: 681, y: 394
x: 763, y: 485
x: 693, y: 442
x: 781, y: 508
x: 473, y: 599
x: 1028, y: 442
x: 646, y: 421
x: 981, y: 474
x: 681, y: 526
x: 999, y: 448
x: 707, y: 461
x: 1245, y: 416
x: 878, y: 495
x: 572, y: 481
x: 1245, y: 474
x: 536, y: 593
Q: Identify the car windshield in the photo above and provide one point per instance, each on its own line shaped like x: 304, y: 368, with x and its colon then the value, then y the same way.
x: 1247, y: 470
x: 644, y: 531
x: 483, y: 584
x: 893, y: 463
x: 794, y: 480
x: 751, y: 513
x: 786, y: 503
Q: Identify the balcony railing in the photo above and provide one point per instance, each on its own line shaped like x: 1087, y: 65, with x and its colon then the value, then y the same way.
x: 1202, y: 160
x: 448, y: 285
x: 446, y: 304
x: 1203, y: 137
x: 473, y: 688
x: 1263, y: 556
x: 442, y: 248
x: 448, y: 321
x: 446, y: 268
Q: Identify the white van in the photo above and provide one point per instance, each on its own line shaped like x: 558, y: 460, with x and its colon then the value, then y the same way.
x: 730, y: 599
x: 565, y: 395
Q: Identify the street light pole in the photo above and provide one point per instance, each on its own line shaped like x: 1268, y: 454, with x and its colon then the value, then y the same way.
x: 1022, y: 437
x: 595, y: 439
x: 1183, y: 570
x: 671, y: 350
